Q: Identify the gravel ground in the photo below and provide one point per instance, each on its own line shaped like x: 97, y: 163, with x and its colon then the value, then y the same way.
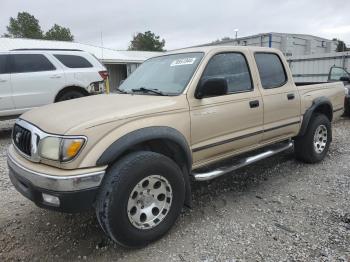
x: 275, y: 210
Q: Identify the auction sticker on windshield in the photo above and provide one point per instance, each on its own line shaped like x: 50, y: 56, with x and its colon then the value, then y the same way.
x: 183, y: 61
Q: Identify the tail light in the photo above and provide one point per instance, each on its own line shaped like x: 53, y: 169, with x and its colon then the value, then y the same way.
x: 104, y: 74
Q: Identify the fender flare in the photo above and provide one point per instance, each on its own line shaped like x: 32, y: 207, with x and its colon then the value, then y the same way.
x: 310, y: 111
x: 117, y: 148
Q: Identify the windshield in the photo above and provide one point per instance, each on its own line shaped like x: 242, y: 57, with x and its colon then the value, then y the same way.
x: 167, y: 74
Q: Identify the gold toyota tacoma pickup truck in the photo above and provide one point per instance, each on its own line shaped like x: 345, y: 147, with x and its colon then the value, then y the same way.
x: 195, y: 113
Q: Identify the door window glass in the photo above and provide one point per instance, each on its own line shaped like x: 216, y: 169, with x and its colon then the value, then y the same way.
x: 4, y: 64
x: 26, y: 63
x: 271, y: 70
x: 337, y: 73
x: 234, y: 68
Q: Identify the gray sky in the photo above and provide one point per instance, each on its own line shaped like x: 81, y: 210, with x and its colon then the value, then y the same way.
x: 184, y: 23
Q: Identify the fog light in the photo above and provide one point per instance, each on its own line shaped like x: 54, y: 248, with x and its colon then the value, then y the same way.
x: 52, y: 200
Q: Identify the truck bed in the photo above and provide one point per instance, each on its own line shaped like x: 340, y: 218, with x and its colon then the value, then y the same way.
x: 334, y: 91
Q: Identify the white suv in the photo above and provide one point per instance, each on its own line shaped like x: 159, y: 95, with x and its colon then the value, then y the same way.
x: 34, y: 77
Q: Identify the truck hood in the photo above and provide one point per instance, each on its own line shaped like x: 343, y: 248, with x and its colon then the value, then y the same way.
x: 89, y: 111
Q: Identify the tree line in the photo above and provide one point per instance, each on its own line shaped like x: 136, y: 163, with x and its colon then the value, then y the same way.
x: 26, y: 25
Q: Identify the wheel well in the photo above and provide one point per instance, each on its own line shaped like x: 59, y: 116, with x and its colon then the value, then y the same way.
x: 165, y: 147
x: 71, y: 88
x: 320, y: 106
x: 326, y: 110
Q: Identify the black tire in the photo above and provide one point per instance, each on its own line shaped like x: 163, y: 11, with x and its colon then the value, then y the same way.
x: 347, y: 106
x: 347, y: 110
x: 120, y: 181
x: 304, y: 147
x: 68, y: 95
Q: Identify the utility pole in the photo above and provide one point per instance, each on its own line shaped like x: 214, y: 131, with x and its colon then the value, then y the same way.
x: 236, y: 34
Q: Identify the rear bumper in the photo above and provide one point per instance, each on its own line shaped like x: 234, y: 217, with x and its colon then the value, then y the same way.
x: 75, y: 193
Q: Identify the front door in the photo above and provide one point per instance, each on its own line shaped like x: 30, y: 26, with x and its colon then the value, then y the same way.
x: 223, y: 125
x: 336, y: 73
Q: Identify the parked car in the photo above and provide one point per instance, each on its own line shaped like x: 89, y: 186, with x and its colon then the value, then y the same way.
x: 195, y: 113
x: 340, y: 74
x: 31, y: 78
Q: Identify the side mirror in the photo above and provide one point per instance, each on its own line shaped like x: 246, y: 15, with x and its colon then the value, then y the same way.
x: 212, y: 87
x: 345, y: 79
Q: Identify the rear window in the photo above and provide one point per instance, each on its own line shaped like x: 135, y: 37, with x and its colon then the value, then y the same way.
x: 73, y: 61
x: 271, y: 70
x: 3, y: 64
x: 26, y: 63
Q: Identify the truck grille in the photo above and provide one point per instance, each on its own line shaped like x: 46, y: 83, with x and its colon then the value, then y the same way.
x: 22, y: 139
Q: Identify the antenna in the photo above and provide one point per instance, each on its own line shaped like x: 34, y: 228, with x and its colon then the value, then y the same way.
x: 101, y: 46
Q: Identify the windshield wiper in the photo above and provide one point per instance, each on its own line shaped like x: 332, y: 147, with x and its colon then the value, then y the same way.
x: 147, y: 90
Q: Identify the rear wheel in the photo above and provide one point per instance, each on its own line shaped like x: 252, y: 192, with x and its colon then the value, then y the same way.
x: 313, y: 146
x: 140, y: 199
x: 72, y: 94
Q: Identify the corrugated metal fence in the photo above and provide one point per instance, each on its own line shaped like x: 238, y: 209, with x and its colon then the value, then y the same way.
x: 315, y: 68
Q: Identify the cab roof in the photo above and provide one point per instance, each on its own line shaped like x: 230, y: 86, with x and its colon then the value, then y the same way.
x: 207, y: 49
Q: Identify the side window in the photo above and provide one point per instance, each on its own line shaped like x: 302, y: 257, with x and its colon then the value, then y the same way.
x: 26, y: 63
x: 337, y: 73
x: 233, y: 67
x: 74, y: 61
x: 4, y: 64
x: 271, y: 70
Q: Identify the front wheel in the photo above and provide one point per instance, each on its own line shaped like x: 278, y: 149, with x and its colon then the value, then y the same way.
x: 313, y: 146
x: 140, y: 199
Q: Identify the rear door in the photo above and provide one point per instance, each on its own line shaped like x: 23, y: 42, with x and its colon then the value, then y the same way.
x: 35, y: 80
x: 280, y: 95
x: 6, y: 102
x: 79, y: 70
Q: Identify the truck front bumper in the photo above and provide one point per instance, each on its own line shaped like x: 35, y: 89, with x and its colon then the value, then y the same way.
x: 66, y: 193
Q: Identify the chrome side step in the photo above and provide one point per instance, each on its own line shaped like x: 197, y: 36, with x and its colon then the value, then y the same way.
x: 241, y: 162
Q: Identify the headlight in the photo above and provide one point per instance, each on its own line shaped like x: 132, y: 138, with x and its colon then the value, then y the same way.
x: 60, y: 148
x: 49, y: 148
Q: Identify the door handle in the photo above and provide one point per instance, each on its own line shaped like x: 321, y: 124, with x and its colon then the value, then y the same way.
x: 290, y: 96
x: 3, y: 81
x: 254, y: 103
x: 55, y: 76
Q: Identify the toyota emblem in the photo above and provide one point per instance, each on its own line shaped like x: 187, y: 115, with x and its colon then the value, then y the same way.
x: 18, y: 136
